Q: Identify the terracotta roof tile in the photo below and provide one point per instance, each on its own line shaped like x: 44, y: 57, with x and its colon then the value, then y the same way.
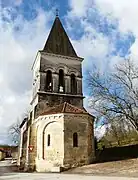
x: 65, y: 108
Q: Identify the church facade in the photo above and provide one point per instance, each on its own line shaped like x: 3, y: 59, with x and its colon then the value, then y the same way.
x: 59, y: 133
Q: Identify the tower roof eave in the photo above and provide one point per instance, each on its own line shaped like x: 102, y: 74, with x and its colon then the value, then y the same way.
x: 63, y: 56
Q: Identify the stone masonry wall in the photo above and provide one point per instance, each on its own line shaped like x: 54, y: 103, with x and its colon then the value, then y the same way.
x: 32, y: 142
x: 75, y: 156
x: 61, y: 152
x: 50, y: 156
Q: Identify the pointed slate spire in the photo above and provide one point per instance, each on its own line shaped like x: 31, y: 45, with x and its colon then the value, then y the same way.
x: 58, y: 41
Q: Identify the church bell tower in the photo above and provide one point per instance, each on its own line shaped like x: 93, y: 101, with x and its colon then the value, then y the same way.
x: 57, y: 73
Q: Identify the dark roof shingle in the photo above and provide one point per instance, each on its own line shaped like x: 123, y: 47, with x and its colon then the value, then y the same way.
x: 58, y: 41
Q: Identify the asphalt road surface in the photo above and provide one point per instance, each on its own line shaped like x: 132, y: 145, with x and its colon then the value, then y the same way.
x: 7, y: 173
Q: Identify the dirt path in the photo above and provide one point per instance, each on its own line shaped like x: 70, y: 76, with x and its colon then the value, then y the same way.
x: 128, y: 168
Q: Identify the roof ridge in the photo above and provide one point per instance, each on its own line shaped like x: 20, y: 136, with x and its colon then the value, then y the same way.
x: 64, y: 106
x: 76, y: 107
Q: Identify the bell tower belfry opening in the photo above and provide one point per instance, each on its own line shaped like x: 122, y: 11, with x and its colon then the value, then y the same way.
x: 57, y: 72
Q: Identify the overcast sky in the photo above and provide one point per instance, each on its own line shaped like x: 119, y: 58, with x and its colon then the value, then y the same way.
x: 102, y: 31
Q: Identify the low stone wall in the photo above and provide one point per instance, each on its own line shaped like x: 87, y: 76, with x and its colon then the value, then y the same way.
x: 117, y: 153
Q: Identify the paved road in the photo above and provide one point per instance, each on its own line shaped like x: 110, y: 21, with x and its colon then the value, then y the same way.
x: 36, y: 176
x: 7, y: 174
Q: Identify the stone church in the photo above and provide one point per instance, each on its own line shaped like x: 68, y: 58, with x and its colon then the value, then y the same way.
x: 59, y: 132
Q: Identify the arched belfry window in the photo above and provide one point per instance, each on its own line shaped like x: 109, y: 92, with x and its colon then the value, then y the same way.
x: 75, y: 140
x: 73, y: 84
x: 49, y: 81
x: 61, y: 86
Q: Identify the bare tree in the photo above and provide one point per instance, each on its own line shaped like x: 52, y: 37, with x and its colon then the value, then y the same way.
x: 14, y: 132
x: 119, y: 132
x: 14, y: 129
x: 115, y: 95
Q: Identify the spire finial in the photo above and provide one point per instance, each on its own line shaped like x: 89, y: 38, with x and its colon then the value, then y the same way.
x: 57, y: 12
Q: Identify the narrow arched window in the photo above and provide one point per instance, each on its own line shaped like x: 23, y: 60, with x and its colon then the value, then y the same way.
x: 75, y: 140
x: 35, y: 111
x: 48, y: 140
x: 61, y: 86
x: 49, y: 81
x: 73, y: 84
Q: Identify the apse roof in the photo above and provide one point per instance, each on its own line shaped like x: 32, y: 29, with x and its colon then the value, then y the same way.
x: 65, y: 108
